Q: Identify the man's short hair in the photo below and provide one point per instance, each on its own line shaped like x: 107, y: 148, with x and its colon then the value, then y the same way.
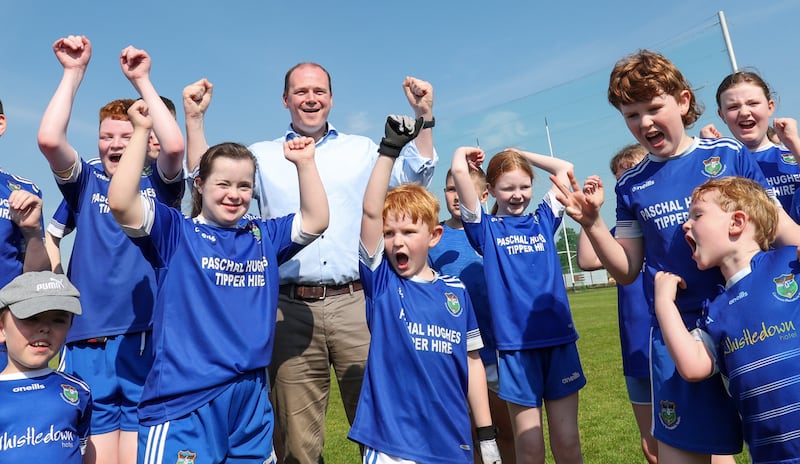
x: 1, y: 107
x: 298, y: 65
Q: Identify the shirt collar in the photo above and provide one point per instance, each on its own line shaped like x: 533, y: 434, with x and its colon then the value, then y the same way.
x: 330, y: 133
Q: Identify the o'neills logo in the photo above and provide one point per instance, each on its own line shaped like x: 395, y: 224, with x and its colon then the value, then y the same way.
x: 52, y: 284
x: 26, y: 388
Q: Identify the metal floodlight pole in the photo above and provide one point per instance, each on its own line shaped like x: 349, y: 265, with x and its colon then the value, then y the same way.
x: 727, y: 37
x: 563, y: 225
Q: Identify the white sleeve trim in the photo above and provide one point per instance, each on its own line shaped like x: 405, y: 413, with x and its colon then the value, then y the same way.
x: 298, y: 236
x: 702, y: 336
x: 148, y: 216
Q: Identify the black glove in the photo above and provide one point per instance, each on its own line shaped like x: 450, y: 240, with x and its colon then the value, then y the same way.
x: 490, y: 453
x: 399, y: 131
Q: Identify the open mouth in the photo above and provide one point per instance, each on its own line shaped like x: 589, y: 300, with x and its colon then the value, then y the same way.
x: 40, y: 344
x: 747, y: 124
x: 655, y: 139
x: 115, y: 158
x: 692, y: 243
x: 402, y: 260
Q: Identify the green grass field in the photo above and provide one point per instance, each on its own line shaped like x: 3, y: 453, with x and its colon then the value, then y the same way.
x: 608, y: 430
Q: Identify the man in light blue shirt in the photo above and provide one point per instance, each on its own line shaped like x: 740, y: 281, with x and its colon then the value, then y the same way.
x: 321, y: 309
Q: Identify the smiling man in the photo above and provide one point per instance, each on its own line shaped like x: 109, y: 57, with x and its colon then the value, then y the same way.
x: 321, y: 311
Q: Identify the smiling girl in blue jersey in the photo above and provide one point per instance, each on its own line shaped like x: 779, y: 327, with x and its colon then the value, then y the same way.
x: 538, y: 359
x: 214, y: 317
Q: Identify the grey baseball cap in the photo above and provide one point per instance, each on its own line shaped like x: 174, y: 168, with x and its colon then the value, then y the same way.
x: 32, y: 293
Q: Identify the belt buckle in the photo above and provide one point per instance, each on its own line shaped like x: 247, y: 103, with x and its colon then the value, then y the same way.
x: 310, y: 292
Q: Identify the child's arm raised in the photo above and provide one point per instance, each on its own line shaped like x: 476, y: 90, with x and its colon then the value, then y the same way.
x: 74, y: 53
x: 557, y: 167
x: 420, y: 96
x: 135, y: 65
x: 691, y: 357
x: 26, y: 212
x: 196, y: 98
x: 398, y: 131
x: 622, y: 258
x: 123, y: 192
x: 313, y: 200
x: 786, y: 129
x: 464, y: 159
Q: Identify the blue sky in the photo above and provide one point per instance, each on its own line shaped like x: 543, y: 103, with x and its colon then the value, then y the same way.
x: 491, y: 64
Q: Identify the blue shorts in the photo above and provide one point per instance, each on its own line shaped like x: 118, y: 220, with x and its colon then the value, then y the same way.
x: 692, y: 416
x: 234, y: 427
x: 639, y: 389
x: 529, y: 377
x: 115, y: 369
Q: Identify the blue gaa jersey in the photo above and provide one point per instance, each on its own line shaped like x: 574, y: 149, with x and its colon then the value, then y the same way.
x: 653, y: 203
x: 413, y: 402
x: 63, y: 221
x: 753, y: 329
x: 117, y: 284
x: 781, y: 171
x: 215, y: 313
x: 44, y: 417
x: 12, y: 245
x: 453, y: 255
x: 523, y: 276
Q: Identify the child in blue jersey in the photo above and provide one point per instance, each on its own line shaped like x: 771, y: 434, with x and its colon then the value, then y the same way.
x: 538, y: 361
x: 424, y: 333
x: 107, y: 347
x: 634, y: 321
x: 21, y: 247
x: 45, y: 415
x: 690, y: 421
x: 453, y: 255
x: 749, y: 333
x: 63, y: 221
x: 745, y: 104
x: 218, y: 284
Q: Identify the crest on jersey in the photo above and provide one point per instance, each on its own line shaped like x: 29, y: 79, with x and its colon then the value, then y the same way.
x: 453, y: 305
x: 147, y: 171
x: 12, y: 186
x: 785, y: 287
x: 186, y: 457
x: 668, y: 414
x: 255, y: 231
x: 69, y: 394
x: 788, y: 158
x: 712, y: 167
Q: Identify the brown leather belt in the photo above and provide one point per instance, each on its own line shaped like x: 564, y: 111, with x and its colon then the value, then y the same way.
x: 319, y: 292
